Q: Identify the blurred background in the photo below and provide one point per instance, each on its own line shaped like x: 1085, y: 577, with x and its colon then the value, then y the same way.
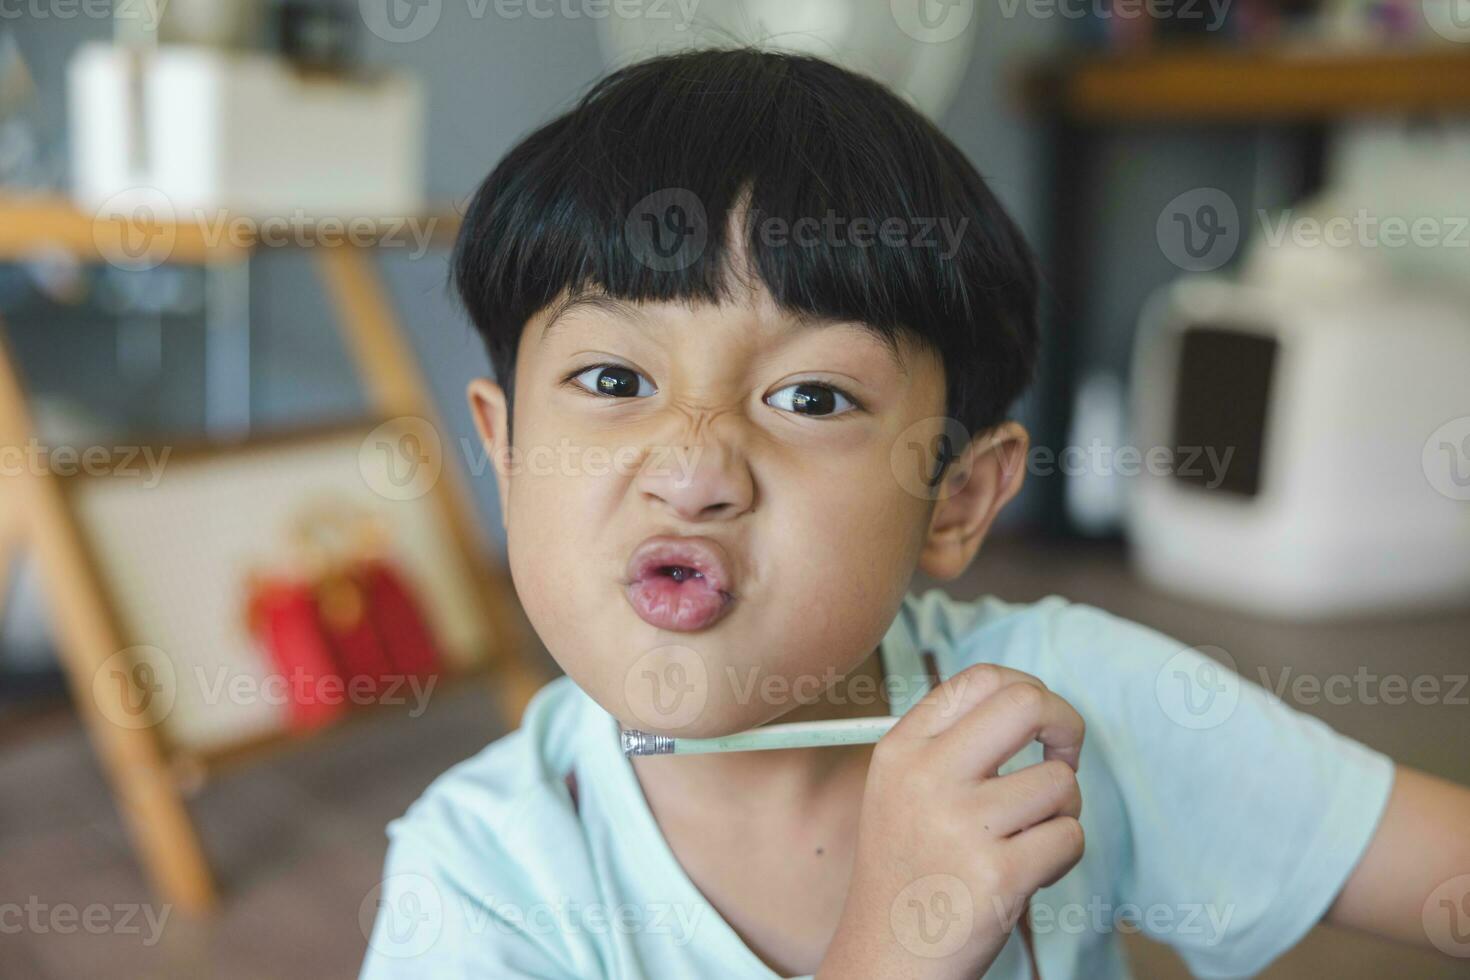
x: 223, y: 235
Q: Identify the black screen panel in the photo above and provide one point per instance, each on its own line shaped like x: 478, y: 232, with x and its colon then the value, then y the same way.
x: 1220, y: 405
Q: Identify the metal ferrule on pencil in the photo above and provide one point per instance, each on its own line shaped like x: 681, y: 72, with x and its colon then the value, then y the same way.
x: 646, y: 743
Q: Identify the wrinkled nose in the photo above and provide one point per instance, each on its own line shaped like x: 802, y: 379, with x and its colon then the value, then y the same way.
x: 703, y: 482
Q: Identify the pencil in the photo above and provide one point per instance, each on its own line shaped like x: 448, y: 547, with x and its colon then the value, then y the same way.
x: 792, y: 735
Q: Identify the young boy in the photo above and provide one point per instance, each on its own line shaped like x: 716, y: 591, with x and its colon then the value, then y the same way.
x: 756, y: 326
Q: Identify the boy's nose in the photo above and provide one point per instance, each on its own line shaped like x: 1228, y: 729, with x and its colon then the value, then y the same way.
x: 703, y: 482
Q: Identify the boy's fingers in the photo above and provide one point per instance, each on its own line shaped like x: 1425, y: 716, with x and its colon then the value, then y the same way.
x: 951, y: 700
x: 1046, y: 851
x: 1030, y: 796
x: 1000, y: 726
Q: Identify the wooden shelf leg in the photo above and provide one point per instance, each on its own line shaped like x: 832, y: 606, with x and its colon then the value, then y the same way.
x: 12, y: 539
x: 90, y: 643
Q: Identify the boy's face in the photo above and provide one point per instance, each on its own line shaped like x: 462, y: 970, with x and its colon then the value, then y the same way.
x: 705, y: 521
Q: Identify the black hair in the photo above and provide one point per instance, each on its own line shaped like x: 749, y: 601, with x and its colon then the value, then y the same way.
x: 678, y: 142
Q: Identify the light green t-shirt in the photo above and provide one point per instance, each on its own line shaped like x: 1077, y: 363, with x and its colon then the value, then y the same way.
x: 1218, y: 820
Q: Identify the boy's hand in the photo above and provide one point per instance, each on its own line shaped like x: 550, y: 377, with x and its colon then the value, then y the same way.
x: 948, y: 853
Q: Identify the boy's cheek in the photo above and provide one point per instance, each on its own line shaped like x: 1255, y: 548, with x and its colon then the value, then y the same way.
x: 834, y: 563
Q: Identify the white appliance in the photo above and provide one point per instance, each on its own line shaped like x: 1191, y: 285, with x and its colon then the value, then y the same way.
x: 1347, y: 418
x: 203, y: 129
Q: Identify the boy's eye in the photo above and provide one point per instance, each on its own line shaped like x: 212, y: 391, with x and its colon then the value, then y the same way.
x: 615, y: 381
x: 810, y: 399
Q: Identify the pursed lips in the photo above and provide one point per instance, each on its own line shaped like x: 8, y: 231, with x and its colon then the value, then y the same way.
x: 679, y: 583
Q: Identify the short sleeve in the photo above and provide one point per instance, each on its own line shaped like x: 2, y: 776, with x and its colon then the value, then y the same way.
x: 429, y: 920
x: 1245, y: 816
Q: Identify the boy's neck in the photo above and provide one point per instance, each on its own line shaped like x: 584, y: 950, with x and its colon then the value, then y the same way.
x: 860, y: 693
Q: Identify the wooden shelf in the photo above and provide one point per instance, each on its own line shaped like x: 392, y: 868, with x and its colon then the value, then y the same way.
x: 1231, y: 85
x: 147, y: 767
x: 194, y: 238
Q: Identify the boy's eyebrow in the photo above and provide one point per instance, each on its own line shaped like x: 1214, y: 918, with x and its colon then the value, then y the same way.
x: 888, y: 340
x: 596, y: 301
x: 627, y: 311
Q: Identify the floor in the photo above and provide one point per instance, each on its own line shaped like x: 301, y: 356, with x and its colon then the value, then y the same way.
x: 297, y: 841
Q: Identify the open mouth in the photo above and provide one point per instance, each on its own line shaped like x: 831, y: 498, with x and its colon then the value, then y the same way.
x: 679, y: 584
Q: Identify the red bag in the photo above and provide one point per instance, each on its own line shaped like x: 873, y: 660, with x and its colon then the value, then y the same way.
x: 348, y: 619
x: 400, y: 622
x: 284, y: 620
x: 347, y: 626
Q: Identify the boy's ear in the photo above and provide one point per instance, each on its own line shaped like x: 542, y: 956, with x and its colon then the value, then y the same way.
x: 977, y: 484
x: 487, y: 406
